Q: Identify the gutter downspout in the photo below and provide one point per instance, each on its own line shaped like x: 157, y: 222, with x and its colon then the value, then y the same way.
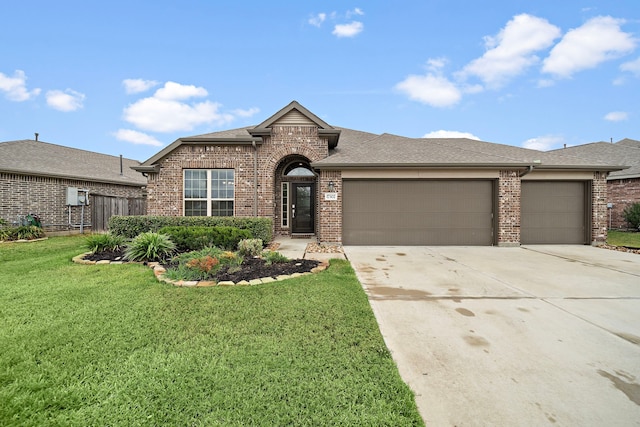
x: 255, y: 178
x: 527, y: 171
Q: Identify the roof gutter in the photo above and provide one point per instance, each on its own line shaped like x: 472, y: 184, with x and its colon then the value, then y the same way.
x: 526, y: 171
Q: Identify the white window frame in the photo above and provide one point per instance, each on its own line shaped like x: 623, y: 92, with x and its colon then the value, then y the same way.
x: 285, y: 194
x: 208, y: 199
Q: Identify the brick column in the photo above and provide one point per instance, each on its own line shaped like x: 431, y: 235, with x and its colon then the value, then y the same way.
x: 330, y: 211
x: 599, y: 208
x: 509, y: 190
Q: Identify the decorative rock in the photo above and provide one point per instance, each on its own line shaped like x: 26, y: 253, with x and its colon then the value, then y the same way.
x: 205, y: 283
x: 116, y: 262
x: 189, y: 283
x: 267, y: 279
x: 296, y: 275
x: 242, y: 283
x: 226, y: 283
x: 103, y: 261
x: 283, y: 277
x: 254, y: 282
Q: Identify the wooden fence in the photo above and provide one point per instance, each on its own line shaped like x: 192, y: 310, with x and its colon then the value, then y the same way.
x: 104, y: 207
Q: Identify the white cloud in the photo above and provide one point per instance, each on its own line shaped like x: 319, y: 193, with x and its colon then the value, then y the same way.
x: 616, y: 116
x: 170, y: 110
x: 450, y: 134
x: 317, y: 20
x: 15, y: 88
x: 348, y: 30
x: 357, y: 11
x: 173, y: 91
x: 68, y: 100
x: 245, y: 113
x: 543, y: 143
x: 632, y: 67
x: 512, y: 51
x: 136, y: 137
x: 138, y: 85
x: 430, y: 89
x: 598, y: 40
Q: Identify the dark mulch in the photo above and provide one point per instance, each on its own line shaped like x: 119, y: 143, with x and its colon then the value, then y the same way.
x: 256, y: 268
x: 251, y: 268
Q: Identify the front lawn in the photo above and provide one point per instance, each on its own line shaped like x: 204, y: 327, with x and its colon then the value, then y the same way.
x: 623, y: 238
x: 109, y: 345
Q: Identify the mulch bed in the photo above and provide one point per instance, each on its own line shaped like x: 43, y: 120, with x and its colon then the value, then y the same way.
x: 251, y: 268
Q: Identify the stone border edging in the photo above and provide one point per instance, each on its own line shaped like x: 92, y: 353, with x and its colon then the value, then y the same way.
x: 159, y: 270
x: 24, y: 240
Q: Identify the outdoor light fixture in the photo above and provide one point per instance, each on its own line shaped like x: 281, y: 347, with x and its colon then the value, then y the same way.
x: 332, y: 186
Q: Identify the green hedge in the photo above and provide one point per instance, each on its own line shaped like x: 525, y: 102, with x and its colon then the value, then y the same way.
x: 131, y: 226
x: 189, y: 239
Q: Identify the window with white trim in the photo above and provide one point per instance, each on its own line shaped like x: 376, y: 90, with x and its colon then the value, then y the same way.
x: 209, y: 192
x: 285, y: 205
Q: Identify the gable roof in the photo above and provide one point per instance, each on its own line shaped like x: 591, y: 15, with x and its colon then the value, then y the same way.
x: 624, y: 152
x: 360, y: 149
x: 29, y: 157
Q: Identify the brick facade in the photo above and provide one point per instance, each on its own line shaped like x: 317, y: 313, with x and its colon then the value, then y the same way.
x: 621, y: 193
x: 509, y: 190
x: 330, y: 211
x: 46, y: 196
x: 263, y: 164
x: 599, y: 217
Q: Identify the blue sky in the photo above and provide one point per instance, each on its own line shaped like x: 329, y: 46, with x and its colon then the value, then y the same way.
x: 129, y: 77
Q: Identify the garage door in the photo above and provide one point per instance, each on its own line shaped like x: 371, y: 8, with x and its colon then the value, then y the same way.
x: 553, y: 212
x: 420, y: 212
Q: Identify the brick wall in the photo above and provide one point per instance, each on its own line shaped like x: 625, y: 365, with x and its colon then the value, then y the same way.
x: 286, y: 143
x: 509, y: 190
x: 330, y: 211
x: 622, y: 193
x: 599, y: 217
x: 47, y: 196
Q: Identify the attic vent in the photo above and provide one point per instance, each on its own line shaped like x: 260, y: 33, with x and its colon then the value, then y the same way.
x: 37, y: 134
x: 294, y: 117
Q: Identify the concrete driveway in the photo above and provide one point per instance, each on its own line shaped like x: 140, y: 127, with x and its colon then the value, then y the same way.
x: 537, y: 335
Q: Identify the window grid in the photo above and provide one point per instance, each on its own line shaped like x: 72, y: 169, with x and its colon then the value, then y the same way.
x: 285, y: 205
x: 208, y: 192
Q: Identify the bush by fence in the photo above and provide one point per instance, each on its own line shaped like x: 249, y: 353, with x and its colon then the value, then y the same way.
x: 131, y: 226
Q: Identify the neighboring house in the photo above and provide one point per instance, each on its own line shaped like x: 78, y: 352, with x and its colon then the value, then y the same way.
x: 623, y: 187
x: 360, y: 188
x: 53, y: 181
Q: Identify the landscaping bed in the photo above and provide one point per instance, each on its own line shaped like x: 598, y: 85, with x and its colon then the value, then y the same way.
x: 251, y: 268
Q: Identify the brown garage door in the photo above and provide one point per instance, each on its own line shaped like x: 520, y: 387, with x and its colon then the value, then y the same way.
x: 407, y: 212
x: 553, y: 212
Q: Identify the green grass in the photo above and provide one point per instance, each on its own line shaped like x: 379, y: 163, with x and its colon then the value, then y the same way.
x: 109, y: 345
x: 623, y: 238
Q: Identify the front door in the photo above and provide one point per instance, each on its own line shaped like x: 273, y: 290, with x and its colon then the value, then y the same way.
x: 303, y: 208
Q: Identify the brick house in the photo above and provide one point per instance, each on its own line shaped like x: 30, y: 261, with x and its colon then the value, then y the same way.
x: 35, y: 177
x: 360, y: 188
x: 623, y: 186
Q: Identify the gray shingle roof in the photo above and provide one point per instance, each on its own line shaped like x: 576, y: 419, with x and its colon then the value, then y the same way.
x: 625, y: 152
x: 44, y: 159
x: 362, y: 149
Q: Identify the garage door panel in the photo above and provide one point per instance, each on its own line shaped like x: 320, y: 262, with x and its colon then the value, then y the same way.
x: 398, y: 212
x: 553, y: 212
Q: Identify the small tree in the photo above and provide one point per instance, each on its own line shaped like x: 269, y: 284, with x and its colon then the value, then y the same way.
x: 631, y: 214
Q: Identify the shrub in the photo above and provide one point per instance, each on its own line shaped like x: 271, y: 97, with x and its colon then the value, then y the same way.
x: 150, y: 247
x: 202, y: 264
x: 196, y: 238
x: 3, y: 222
x: 273, y: 257
x: 250, y: 247
x: 131, y: 226
x: 104, y: 242
x: 631, y: 214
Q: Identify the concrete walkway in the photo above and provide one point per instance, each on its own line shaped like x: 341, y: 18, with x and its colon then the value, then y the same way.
x: 296, y: 248
x: 537, y: 335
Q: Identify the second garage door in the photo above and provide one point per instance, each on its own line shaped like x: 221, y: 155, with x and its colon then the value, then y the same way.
x: 553, y: 212
x: 420, y: 212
